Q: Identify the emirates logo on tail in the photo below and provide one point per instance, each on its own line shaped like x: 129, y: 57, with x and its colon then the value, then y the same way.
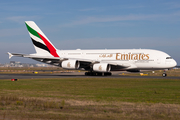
x: 39, y: 39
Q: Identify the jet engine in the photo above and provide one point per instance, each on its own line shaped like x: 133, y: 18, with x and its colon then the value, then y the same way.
x: 102, y: 67
x: 70, y: 64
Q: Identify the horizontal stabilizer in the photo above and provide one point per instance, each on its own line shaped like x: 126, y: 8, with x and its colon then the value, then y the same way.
x: 15, y: 54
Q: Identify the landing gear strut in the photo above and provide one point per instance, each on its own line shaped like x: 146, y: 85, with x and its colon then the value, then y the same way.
x: 98, y: 74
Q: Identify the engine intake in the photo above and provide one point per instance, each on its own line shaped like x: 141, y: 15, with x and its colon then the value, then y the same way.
x: 102, y: 67
x: 70, y: 64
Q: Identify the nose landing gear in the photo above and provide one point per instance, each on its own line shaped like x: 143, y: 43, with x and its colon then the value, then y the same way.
x: 164, y: 74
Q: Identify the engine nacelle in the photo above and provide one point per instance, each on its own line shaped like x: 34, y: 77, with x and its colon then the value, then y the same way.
x: 70, y: 64
x: 102, y: 67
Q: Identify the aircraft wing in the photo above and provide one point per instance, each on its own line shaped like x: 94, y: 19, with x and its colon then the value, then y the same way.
x: 49, y: 59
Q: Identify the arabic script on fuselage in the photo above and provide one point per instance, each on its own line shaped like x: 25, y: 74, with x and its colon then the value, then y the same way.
x: 106, y: 55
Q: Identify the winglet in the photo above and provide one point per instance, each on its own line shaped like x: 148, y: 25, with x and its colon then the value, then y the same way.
x: 10, y: 55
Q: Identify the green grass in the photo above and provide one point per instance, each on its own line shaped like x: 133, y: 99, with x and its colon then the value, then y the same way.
x: 91, y: 98
x: 97, y: 89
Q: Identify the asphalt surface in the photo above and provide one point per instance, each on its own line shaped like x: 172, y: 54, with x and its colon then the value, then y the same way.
x: 74, y: 75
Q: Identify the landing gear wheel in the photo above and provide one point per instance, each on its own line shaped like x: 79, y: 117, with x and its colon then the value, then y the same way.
x: 88, y: 73
x: 98, y: 74
x: 93, y: 74
x: 107, y: 74
x: 164, y: 74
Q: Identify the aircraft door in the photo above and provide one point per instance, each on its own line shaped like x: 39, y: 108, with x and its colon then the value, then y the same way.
x: 83, y: 54
x: 158, y: 60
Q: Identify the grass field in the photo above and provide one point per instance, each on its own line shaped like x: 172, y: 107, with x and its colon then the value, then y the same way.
x: 90, y: 98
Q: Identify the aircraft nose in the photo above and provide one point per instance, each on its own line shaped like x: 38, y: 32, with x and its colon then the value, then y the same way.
x: 174, y: 63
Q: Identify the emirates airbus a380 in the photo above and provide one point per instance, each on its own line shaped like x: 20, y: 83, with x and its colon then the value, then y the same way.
x: 96, y: 62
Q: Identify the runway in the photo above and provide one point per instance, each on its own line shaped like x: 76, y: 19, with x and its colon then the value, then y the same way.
x: 74, y: 75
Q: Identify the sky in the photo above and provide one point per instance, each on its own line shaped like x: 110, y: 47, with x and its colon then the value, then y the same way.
x: 91, y: 24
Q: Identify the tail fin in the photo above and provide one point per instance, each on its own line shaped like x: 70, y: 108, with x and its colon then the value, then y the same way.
x: 41, y: 43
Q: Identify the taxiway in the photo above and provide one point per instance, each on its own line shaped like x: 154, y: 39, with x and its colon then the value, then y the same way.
x: 74, y: 75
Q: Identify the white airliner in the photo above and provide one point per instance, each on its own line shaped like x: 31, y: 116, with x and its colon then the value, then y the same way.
x: 96, y: 62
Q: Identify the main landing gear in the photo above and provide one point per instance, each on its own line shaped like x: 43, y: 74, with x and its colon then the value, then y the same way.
x: 98, y: 74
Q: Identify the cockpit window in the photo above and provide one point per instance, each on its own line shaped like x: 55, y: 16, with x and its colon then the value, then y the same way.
x: 169, y: 58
